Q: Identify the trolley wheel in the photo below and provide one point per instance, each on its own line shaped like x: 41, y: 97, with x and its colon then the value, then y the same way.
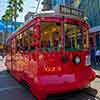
x: 88, y: 86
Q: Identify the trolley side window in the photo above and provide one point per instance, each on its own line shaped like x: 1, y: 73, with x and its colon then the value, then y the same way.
x: 50, y: 36
x: 17, y: 43
x: 31, y: 39
x: 28, y: 39
x: 21, y: 42
x: 13, y: 45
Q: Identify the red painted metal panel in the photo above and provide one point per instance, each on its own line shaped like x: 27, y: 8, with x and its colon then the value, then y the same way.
x: 46, y: 71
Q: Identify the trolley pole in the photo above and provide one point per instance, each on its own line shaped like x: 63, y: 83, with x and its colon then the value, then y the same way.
x: 37, y: 6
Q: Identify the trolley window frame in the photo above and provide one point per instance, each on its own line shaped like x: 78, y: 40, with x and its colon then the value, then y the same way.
x: 53, y: 19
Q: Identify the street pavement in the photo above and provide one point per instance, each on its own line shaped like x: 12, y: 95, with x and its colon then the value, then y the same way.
x: 10, y: 89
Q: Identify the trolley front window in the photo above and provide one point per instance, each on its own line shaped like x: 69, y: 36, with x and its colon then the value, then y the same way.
x: 73, y: 37
x: 50, y: 36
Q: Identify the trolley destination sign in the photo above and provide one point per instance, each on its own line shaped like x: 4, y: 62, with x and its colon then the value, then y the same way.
x: 70, y: 11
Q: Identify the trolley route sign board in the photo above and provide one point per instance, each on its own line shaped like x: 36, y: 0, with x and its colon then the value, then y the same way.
x: 70, y: 11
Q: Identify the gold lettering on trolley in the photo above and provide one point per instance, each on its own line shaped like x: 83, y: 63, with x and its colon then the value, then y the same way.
x: 52, y: 69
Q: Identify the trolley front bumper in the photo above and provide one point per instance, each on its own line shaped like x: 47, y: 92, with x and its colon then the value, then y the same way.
x: 65, y: 83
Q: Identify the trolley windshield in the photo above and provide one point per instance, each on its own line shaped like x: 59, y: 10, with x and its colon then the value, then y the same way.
x: 50, y: 36
x: 74, y: 37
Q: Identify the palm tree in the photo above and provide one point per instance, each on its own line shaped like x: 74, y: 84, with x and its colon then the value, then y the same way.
x: 17, y: 6
x: 7, y: 18
x: 10, y: 13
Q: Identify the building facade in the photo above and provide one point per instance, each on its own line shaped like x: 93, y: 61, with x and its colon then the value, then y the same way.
x: 91, y: 8
x: 92, y: 11
x: 9, y: 29
x: 50, y: 4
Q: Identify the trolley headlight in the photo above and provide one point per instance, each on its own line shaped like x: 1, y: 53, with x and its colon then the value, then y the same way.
x: 77, y: 60
x: 88, y: 60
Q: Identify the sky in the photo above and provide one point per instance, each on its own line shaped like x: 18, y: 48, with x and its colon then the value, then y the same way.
x: 29, y: 5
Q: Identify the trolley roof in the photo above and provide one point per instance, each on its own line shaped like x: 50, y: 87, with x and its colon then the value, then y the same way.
x: 59, y: 11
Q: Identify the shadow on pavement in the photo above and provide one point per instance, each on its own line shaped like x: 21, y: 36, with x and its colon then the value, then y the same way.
x: 91, y: 91
x: 3, y: 72
x: 85, y: 94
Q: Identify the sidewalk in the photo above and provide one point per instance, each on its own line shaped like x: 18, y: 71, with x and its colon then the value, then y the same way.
x: 2, y: 66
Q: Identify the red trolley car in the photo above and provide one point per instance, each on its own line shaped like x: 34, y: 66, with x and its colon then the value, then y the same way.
x: 51, y: 53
